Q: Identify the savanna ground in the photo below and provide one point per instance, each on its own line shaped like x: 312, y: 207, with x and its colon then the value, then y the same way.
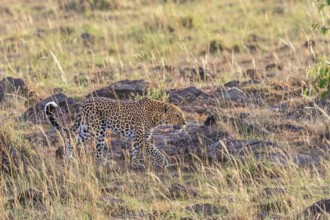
x: 76, y: 46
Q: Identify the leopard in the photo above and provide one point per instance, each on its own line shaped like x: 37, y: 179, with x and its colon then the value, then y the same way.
x: 133, y: 120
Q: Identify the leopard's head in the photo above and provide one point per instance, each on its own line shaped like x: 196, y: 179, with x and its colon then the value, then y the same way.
x: 163, y: 113
x: 173, y: 115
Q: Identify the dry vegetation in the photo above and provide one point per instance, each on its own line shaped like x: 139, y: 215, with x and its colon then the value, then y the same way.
x: 75, y: 47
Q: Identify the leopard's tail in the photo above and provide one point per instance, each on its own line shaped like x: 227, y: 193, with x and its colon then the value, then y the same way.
x: 50, y: 106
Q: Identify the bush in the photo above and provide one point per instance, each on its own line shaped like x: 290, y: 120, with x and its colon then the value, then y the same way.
x: 321, y: 72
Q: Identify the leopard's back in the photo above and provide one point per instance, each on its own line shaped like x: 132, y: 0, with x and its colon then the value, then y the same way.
x: 121, y: 117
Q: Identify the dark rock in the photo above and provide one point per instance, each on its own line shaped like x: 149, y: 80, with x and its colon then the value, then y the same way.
x: 244, y: 126
x: 60, y: 192
x: 309, y: 43
x: 14, y: 86
x: 233, y: 83
x: 250, y: 82
x: 109, y: 199
x: 43, y: 138
x: 117, y: 209
x: 275, y: 206
x: 252, y: 48
x: 9, y: 158
x: 319, y: 210
x: 283, y: 49
x: 207, y: 209
x: 66, y: 106
x: 125, y: 89
x: 193, y: 140
x: 244, y: 115
x: 273, y: 66
x: 116, y: 189
x: 100, y: 75
x: 178, y: 191
x: 32, y: 198
x: 68, y: 30
x: 183, y: 1
x: 188, y: 94
x: 271, y: 192
x: 217, y: 46
x: 267, y: 215
x: 223, y: 150
x: 164, y: 69
x: 233, y: 94
x: 236, y: 48
x: 298, y: 159
x: 10, y: 188
x: 88, y: 39
x: 280, y: 87
x: 272, y: 200
x: 13, y: 156
x: 305, y: 111
x: 211, y: 120
x: 196, y: 137
x: 253, y: 74
x: 191, y: 99
x: 288, y: 127
x: 199, y: 73
x: 31, y: 194
x: 256, y: 38
x: 178, y: 145
x: 40, y: 32
x: 279, y: 10
x: 59, y: 153
x: 305, y: 159
x: 187, y: 22
x: 81, y: 80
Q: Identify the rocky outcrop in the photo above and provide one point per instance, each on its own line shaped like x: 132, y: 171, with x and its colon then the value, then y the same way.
x: 13, y: 86
x: 233, y: 94
x: 67, y: 106
x: 191, y: 99
x: 207, y: 210
x: 125, y: 89
x: 8, y: 157
x: 318, y: 210
x: 192, y: 140
x: 179, y: 191
x: 188, y: 94
x: 30, y: 198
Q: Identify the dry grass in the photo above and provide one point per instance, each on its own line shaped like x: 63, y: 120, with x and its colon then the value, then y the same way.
x: 76, y: 47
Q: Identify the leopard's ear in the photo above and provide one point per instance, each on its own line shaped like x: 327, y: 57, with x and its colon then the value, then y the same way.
x: 165, y: 108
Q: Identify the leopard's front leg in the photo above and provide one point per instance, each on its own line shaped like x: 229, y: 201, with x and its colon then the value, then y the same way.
x: 141, y: 142
x: 158, y: 156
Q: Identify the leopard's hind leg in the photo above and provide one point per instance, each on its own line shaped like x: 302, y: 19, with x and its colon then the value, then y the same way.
x: 100, y: 139
x: 84, y: 134
x: 138, y: 144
